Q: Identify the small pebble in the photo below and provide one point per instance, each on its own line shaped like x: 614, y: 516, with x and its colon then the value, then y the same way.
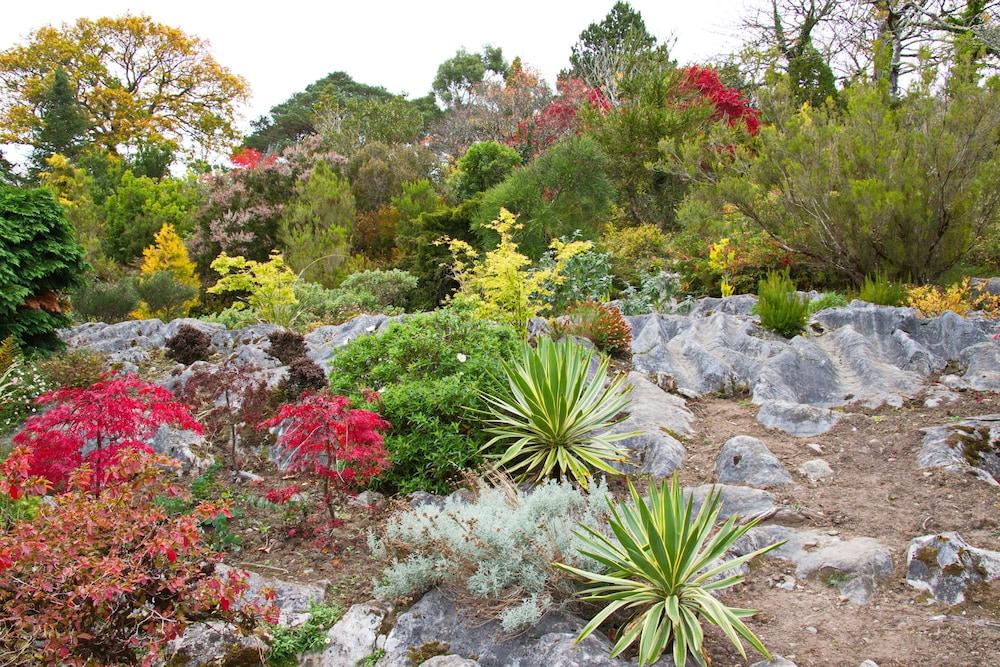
x: 811, y: 630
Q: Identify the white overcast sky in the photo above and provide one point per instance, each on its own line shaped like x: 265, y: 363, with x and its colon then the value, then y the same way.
x: 281, y: 46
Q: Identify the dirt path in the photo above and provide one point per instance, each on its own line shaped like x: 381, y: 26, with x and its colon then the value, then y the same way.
x: 876, y: 491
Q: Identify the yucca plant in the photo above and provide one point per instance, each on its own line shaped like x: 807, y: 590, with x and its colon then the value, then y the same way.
x: 662, y: 566
x: 552, y: 416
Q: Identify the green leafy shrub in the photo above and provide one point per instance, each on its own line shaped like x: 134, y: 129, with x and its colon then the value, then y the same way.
x: 377, y: 291
x: 39, y: 258
x: 288, y: 643
x: 633, y: 251
x: 165, y: 295
x: 564, y: 190
x: 660, y: 568
x: 651, y: 295
x: 584, y: 276
x: 384, y: 288
x: 877, y: 288
x: 139, y: 206
x: 20, y: 384
x: 551, y: 414
x: 489, y: 551
x: 827, y: 300
x: 189, y: 345
x: 105, y: 302
x: 779, y: 306
x: 265, y: 288
x: 428, y: 369
x: 484, y: 165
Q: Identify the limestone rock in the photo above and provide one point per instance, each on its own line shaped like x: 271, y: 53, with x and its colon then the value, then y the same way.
x: 186, y: 447
x: 660, y: 420
x: 945, y: 566
x: 778, y: 661
x: 797, y: 419
x: 449, y: 661
x: 815, y: 470
x: 216, y: 644
x: 743, y: 501
x: 352, y: 638
x: 747, y: 460
x: 969, y: 446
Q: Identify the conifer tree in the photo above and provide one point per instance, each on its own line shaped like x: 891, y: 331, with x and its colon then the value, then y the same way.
x: 63, y: 124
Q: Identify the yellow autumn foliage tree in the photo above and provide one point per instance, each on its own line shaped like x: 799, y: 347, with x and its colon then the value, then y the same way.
x: 502, y: 285
x: 168, y: 254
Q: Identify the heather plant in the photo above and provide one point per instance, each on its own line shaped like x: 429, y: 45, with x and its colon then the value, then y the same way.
x: 95, y: 424
x: 428, y: 370
x: 188, y: 345
x: 660, y: 567
x: 105, y: 301
x: 552, y: 416
x: 779, y: 306
x: 502, y: 284
x: 107, y: 576
x: 602, y: 324
x: 489, y: 551
x: 827, y: 300
x: 877, y: 288
x: 324, y: 436
x: 39, y: 259
x: 265, y: 288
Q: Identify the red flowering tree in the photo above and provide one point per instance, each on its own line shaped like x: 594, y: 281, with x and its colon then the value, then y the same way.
x: 328, y: 438
x: 730, y: 104
x: 94, y: 424
x: 108, y: 577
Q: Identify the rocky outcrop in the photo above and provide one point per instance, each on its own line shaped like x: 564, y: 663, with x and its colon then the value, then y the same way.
x: 549, y: 643
x: 946, y: 566
x: 747, y: 460
x: 660, y: 420
x: 861, y: 353
x: 357, y: 634
x: 970, y: 446
x: 186, y: 447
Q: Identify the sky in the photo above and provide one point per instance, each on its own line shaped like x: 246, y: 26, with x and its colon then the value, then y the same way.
x: 282, y: 46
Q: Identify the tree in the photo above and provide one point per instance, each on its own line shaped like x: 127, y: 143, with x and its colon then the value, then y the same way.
x: 39, y: 259
x: 608, y: 54
x: 95, y: 424
x: 457, y: 75
x: 317, y: 227
x: 907, y: 187
x: 139, y: 208
x: 377, y: 172
x: 168, y: 254
x: 328, y: 438
x: 484, y: 165
x: 62, y: 125
x: 135, y: 79
x: 557, y: 120
x: 565, y: 190
x: 348, y: 126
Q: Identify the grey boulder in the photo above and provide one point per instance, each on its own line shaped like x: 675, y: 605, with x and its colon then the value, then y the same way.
x: 747, y: 460
x: 970, y: 446
x: 658, y: 420
x: 945, y: 565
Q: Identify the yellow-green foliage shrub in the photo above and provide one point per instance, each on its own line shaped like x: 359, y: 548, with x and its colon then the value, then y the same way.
x: 168, y: 254
x: 933, y: 301
x: 503, y: 285
x: 634, y: 251
x: 265, y: 287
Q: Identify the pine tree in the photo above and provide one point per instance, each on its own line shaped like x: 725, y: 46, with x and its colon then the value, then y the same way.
x: 63, y: 123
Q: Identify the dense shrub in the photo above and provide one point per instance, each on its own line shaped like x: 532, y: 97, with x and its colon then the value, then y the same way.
x: 934, y: 301
x: 653, y: 294
x: 304, y: 374
x: 188, y: 345
x: 779, y: 306
x: 377, y: 171
x: 490, y: 552
x: 502, y: 284
x: 484, y: 165
x: 163, y: 296
x: 105, y: 302
x: 603, y: 325
x: 95, y: 424
x: 265, y: 288
x: 286, y: 346
x: 877, y: 288
x: 21, y: 382
x: 428, y: 370
x: 385, y: 288
x: 139, y: 207
x: 583, y: 276
x: 39, y: 258
x: 72, y: 368
x: 108, y: 577
x: 564, y: 190
x: 633, y: 251
x: 827, y: 300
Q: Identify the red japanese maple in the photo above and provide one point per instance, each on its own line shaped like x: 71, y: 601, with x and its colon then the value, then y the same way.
x: 107, y: 577
x: 251, y: 158
x: 326, y: 437
x: 730, y: 104
x: 96, y: 423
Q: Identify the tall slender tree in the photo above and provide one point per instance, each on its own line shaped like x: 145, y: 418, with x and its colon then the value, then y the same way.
x: 62, y: 124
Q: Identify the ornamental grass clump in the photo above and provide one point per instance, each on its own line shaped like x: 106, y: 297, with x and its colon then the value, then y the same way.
x: 779, y: 306
x: 879, y: 290
x: 552, y: 416
x: 493, y: 552
x: 660, y: 568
